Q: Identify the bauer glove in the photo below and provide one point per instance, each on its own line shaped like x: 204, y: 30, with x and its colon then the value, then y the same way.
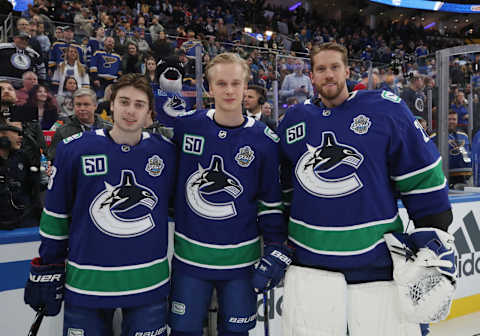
x: 44, y: 287
x: 271, y: 268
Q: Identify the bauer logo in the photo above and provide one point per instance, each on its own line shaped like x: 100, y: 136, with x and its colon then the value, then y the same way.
x: 467, y: 242
x: 178, y: 308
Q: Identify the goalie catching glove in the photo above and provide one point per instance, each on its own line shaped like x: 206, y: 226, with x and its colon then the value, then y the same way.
x: 44, y: 289
x: 271, y: 268
x: 425, y: 273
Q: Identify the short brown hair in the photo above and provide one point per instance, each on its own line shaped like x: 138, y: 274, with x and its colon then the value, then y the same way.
x: 329, y: 46
x: 228, y: 58
x: 136, y: 80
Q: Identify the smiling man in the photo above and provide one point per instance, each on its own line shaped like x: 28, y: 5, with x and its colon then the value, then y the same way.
x: 104, y: 228
x: 227, y: 196
x: 348, y: 157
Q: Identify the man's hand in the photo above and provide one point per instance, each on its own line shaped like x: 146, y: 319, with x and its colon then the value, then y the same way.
x: 271, y: 268
x: 44, y: 289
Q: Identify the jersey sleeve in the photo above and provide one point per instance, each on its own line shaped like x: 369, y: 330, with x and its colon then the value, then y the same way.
x: 269, y: 201
x: 55, y: 220
x: 415, y: 166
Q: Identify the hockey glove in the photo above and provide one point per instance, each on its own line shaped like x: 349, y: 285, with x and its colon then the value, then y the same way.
x: 44, y: 287
x: 424, y: 271
x: 271, y: 268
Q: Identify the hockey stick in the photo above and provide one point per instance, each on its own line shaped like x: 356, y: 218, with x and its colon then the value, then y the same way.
x: 265, y: 313
x: 37, y: 322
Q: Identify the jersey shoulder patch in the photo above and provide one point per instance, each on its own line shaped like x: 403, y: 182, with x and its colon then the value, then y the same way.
x: 391, y: 96
x: 72, y: 137
x: 271, y: 134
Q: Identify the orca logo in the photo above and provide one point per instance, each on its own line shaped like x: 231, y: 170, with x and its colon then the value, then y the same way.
x: 124, y: 210
x: 210, y: 181
x: 175, y: 106
x: 324, y: 158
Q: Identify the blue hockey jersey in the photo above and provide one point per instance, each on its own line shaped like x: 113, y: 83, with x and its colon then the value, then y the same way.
x: 169, y: 106
x: 227, y: 195
x: 104, y: 65
x: 344, y: 168
x: 106, y: 215
x: 459, y: 154
x: 57, y: 53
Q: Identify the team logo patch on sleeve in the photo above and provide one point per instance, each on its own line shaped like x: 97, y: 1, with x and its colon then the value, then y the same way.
x: 155, y: 166
x: 244, y: 156
x: 360, y: 124
x: 72, y: 137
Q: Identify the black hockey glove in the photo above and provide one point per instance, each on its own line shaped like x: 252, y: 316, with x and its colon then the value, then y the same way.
x: 44, y: 287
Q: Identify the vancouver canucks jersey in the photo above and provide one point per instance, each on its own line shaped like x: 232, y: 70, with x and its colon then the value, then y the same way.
x: 106, y: 213
x: 344, y: 169
x: 170, y: 105
x: 227, y: 194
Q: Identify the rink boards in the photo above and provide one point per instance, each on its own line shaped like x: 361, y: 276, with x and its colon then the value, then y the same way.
x: 18, y: 247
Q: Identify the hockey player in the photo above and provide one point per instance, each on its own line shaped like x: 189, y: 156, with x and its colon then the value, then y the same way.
x: 347, y: 158
x: 106, y: 217
x: 227, y: 195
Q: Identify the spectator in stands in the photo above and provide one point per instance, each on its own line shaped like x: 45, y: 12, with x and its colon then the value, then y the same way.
x: 42, y: 102
x: 389, y: 84
x: 19, y: 58
x: 58, y: 34
x: 121, y: 40
x: 83, y: 23
x: 162, y: 48
x: 105, y: 66
x: 30, y: 79
x: 84, y: 119
x: 43, y: 39
x: 297, y: 84
x: 65, y: 100
x: 150, y: 69
x: 58, y: 50
x: 155, y: 28
x: 19, y: 186
x: 139, y: 39
x: 71, y: 66
x: 132, y: 61
x: 95, y: 43
x: 363, y: 84
x: 253, y: 101
x: 103, y: 108
x: 414, y: 96
x: 459, y: 106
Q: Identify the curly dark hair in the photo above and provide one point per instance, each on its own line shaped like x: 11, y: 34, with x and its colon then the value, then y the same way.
x: 32, y: 97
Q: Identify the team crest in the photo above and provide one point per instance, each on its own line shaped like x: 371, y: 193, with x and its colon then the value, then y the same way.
x: 155, y: 166
x: 312, y: 167
x: 124, y: 210
x: 360, y: 124
x: 244, y: 156
x: 175, y: 106
x: 214, y: 180
x: 20, y: 61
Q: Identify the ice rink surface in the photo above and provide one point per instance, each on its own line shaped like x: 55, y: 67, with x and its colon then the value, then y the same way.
x: 468, y: 325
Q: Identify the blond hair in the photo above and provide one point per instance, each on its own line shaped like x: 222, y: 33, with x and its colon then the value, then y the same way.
x: 329, y: 46
x: 80, y: 67
x: 228, y: 58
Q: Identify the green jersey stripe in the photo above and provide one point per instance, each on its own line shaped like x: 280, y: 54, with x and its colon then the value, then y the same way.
x: 212, y: 266
x: 130, y: 292
x: 416, y: 172
x: 53, y: 226
x: 211, y: 256
x: 342, y: 239
x: 127, y: 279
x: 425, y: 180
x: 336, y: 253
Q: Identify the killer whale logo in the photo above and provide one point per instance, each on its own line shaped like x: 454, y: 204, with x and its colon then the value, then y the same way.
x: 124, y: 210
x: 175, y: 106
x: 325, y: 158
x: 210, y: 181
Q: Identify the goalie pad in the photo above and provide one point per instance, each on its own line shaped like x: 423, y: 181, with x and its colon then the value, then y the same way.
x: 314, y: 303
x: 425, y: 292
x: 373, y: 310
